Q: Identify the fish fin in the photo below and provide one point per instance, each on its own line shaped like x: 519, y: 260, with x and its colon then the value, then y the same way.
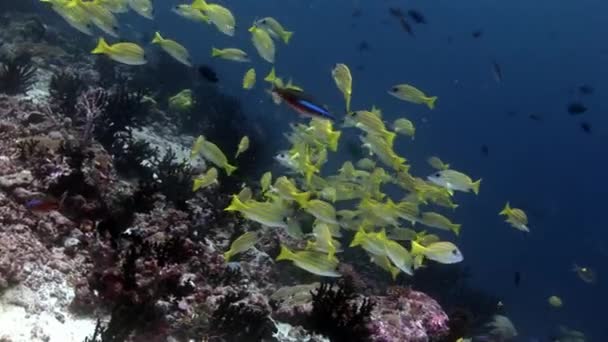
x: 200, y: 5
x: 157, y: 38
x: 229, y: 169
x: 302, y: 198
x: 395, y: 272
x: 196, y: 185
x: 475, y: 186
x: 215, y: 52
x: 417, y: 249
x: 333, y: 140
x: 430, y: 102
x: 285, y: 254
x: 456, y: 228
x: 227, y: 256
x: 358, y: 239
x: 287, y: 36
x: 102, y: 47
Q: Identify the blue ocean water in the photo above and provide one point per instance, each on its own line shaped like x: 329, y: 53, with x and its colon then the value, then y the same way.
x: 549, y: 167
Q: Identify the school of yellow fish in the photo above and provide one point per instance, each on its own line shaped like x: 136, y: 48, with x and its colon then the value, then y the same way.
x: 350, y: 199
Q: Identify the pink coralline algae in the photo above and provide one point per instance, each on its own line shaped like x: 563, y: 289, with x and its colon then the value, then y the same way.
x: 407, y: 316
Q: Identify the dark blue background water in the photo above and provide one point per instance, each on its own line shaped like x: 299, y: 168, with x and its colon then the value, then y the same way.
x: 550, y: 168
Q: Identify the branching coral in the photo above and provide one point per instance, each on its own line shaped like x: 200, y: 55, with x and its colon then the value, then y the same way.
x: 64, y: 89
x: 17, y: 75
x: 336, y: 313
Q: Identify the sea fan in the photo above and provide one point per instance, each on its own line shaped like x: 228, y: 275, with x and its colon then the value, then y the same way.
x: 17, y: 75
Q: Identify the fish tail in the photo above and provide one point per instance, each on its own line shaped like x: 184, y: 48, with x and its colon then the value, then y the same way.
x: 102, y: 47
x: 302, y: 198
x: 394, y: 272
x: 235, y: 204
x: 390, y: 137
x: 229, y: 169
x: 475, y: 186
x: 358, y: 239
x: 157, y: 38
x: 228, y: 255
x: 456, y: 228
x: 430, y: 102
x: 506, y: 210
x: 287, y: 36
x: 285, y: 254
x: 196, y: 185
x: 215, y: 52
x: 417, y: 249
x: 333, y: 140
x: 271, y: 77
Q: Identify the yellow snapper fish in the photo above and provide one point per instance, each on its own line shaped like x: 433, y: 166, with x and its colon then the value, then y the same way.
x: 555, y: 302
x: 410, y: 93
x: 373, y: 243
x: 370, y: 123
x: 402, y: 234
x: 249, y: 79
x: 344, y: 82
x: 207, y: 179
x: 266, y: 181
x: 278, y: 82
x: 126, y: 53
x: 288, y: 191
x: 443, y: 252
x: 437, y: 163
x: 214, y: 154
x: 323, y: 130
x: 270, y: 214
x: 220, y: 16
x: 243, y: 146
x: 366, y: 164
x: 405, y: 127
x: 311, y: 261
x: 186, y: 11
x: 242, y: 244
x: 516, y: 217
x: 231, y: 54
x: 263, y: 43
x: 321, y: 210
x: 75, y: 16
x: 399, y: 256
x: 274, y: 28
x: 324, y: 241
x: 143, y: 8
x: 181, y: 102
x: 99, y: 15
x: 436, y: 220
x: 378, y: 146
x: 454, y: 180
x: 245, y: 194
x: 586, y: 274
x: 174, y: 49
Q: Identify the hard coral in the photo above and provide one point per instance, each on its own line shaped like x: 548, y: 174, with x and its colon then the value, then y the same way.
x: 17, y: 75
x: 239, y: 320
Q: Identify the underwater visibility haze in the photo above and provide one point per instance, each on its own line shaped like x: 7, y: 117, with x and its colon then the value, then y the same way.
x: 303, y: 170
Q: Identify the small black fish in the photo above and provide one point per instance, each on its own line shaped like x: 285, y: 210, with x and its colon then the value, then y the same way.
x: 207, y: 73
x: 586, y: 127
x: 477, y: 33
x: 396, y: 12
x: 517, y: 278
x: 406, y: 26
x: 497, y: 70
x: 535, y: 117
x: 576, y: 108
x: 485, y: 151
x: 416, y: 16
x: 586, y: 89
x: 363, y: 46
x: 357, y: 12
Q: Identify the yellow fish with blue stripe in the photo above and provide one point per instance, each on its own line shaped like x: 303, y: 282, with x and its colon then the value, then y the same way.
x: 173, y: 48
x: 126, y: 53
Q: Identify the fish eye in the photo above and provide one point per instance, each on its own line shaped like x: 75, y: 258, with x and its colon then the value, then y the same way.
x: 438, y: 174
x: 455, y: 252
x: 395, y: 89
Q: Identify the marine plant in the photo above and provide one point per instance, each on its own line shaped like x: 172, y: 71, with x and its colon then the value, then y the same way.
x: 17, y: 75
x: 337, y: 314
x: 174, y: 179
x: 64, y: 89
